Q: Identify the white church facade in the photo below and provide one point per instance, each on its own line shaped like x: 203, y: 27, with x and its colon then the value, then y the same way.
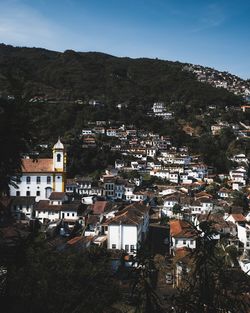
x: 40, y: 177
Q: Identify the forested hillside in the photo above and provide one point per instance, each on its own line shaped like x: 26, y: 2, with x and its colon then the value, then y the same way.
x: 63, y: 84
x: 73, y: 75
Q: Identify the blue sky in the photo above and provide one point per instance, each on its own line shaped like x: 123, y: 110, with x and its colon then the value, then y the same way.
x: 212, y: 33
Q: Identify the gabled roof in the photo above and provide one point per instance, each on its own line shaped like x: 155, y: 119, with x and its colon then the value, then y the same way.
x: 131, y: 215
x: 203, y: 194
x: 44, y: 205
x: 239, y: 217
x: 57, y: 196
x: 225, y: 190
x: 181, y: 229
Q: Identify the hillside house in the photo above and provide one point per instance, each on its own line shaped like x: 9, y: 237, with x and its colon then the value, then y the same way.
x: 182, y: 235
x: 128, y: 228
x: 57, y: 207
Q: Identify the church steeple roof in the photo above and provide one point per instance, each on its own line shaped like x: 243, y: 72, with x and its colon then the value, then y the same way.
x: 58, y: 145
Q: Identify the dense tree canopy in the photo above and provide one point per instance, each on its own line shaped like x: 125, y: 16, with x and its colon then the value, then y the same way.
x: 46, y: 280
x: 15, y: 138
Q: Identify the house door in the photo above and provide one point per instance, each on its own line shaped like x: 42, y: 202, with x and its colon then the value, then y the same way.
x: 62, y: 215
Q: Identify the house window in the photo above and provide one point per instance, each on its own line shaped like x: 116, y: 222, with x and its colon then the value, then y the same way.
x: 38, y: 193
x: 176, y: 241
x: 132, y: 248
x: 73, y: 214
x: 28, y: 180
x: 113, y: 246
x: 27, y: 193
x: 48, y: 192
x: 58, y: 157
x: 184, y: 242
x: 18, y: 193
x: 191, y: 242
x: 127, y: 248
x: 38, y: 180
x: 48, y: 179
x: 67, y: 214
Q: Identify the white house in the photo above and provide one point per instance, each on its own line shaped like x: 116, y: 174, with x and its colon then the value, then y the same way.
x: 22, y: 207
x: 40, y: 177
x: 151, y: 152
x: 87, y: 132
x: 182, y: 235
x: 240, y: 158
x: 111, y: 132
x: 128, y: 228
x: 239, y: 175
x: 244, y: 235
x: 119, y: 164
x: 165, y: 174
x: 245, y: 265
x: 57, y: 207
x: 168, y: 205
x: 159, y: 107
x: 224, y: 193
x: 129, y: 191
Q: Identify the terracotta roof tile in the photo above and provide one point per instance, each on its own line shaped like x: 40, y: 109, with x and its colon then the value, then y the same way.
x: 37, y: 166
x: 239, y: 217
x: 181, y: 229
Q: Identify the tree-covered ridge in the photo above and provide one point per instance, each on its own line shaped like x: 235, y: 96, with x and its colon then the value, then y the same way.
x: 71, y: 75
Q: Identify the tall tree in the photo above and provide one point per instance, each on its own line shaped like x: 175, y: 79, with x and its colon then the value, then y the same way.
x: 211, y: 285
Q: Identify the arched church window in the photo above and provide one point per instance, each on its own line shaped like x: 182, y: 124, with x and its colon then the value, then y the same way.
x: 58, y: 157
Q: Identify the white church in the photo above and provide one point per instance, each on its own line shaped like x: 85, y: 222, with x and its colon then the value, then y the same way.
x: 40, y: 177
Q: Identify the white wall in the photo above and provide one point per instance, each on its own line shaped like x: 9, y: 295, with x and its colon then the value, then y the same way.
x: 51, y: 215
x: 184, y: 242
x: 33, y: 186
x: 122, y: 235
x: 71, y: 215
x: 242, y: 235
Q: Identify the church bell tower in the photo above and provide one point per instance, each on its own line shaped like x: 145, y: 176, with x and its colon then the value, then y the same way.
x: 59, y: 157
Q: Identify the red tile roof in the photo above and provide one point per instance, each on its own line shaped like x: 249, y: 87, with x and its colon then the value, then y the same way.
x: 37, y: 166
x: 239, y: 217
x: 132, y: 214
x: 181, y: 229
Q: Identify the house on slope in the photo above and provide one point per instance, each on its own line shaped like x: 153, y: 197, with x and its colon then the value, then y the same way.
x: 128, y: 228
x: 182, y: 235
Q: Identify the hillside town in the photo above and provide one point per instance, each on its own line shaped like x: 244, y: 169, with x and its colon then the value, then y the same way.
x: 219, y: 79
x: 155, y: 194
